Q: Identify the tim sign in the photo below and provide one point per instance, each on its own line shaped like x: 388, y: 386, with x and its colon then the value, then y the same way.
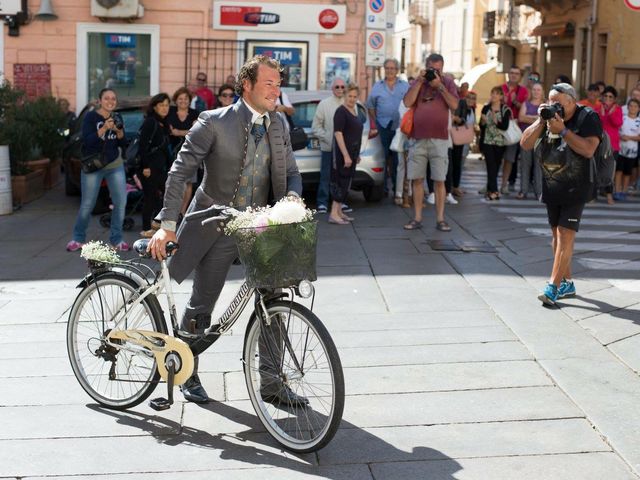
x: 277, y: 17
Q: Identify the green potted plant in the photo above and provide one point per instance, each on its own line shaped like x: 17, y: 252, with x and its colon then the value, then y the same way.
x: 17, y: 132
x: 48, y: 121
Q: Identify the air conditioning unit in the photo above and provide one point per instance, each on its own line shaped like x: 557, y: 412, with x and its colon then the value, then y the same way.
x: 117, y: 8
x: 10, y: 7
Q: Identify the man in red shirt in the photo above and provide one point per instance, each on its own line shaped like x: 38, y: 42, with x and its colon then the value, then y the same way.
x: 432, y: 95
x: 204, y: 92
x: 514, y: 96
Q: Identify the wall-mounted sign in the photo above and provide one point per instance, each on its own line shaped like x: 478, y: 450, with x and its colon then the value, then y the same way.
x: 279, y: 17
x: 633, y: 4
x: 375, y: 48
x: 376, y: 14
x: 34, y: 79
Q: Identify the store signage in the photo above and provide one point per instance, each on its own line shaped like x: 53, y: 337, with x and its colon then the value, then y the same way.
x: 375, y: 48
x: 279, y: 17
x: 119, y: 40
x: 286, y: 56
x: 376, y: 14
x: 633, y: 4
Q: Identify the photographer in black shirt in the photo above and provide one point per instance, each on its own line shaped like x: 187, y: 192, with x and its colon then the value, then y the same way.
x: 565, y: 139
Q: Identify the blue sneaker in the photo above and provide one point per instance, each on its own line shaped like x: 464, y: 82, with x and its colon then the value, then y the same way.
x: 566, y: 289
x: 549, y: 295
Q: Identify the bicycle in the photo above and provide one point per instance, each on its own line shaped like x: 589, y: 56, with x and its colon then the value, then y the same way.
x: 120, y: 349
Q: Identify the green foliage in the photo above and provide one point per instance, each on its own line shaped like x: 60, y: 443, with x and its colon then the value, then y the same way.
x: 29, y: 127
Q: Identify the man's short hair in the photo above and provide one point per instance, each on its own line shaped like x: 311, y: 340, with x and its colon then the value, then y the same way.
x: 249, y: 71
x: 515, y: 67
x: 565, y: 88
x: 434, y: 58
x: 593, y: 88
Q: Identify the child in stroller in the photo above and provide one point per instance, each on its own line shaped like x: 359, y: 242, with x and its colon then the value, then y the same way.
x: 134, y: 204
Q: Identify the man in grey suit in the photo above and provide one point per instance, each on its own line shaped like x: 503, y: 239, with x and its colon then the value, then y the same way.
x: 246, y: 153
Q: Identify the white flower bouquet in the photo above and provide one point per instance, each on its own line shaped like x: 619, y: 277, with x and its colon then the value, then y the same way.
x: 98, y: 253
x: 277, y: 245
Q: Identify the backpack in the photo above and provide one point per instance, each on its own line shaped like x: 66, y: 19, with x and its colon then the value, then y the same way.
x: 132, y: 154
x: 603, y: 163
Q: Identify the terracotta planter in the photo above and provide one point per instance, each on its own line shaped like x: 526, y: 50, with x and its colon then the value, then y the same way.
x: 26, y: 188
x: 40, y: 164
x: 52, y: 174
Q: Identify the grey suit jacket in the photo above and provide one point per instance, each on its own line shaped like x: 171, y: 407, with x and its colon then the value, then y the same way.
x: 218, y: 140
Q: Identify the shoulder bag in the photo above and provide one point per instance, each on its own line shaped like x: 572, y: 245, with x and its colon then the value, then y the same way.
x: 94, y: 161
x: 406, y: 124
x: 462, y: 134
x: 512, y: 134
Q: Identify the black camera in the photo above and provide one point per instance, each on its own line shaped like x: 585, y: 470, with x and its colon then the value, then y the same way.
x: 117, y: 121
x: 430, y: 75
x: 549, y: 111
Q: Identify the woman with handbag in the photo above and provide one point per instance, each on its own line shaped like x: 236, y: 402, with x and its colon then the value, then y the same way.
x: 528, y: 115
x: 494, y: 118
x: 102, y: 135
x: 154, y: 158
x: 463, y: 122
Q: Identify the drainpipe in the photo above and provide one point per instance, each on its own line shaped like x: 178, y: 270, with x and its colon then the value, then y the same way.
x: 592, y: 22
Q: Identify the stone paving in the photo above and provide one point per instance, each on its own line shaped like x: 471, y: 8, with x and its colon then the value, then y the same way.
x: 453, y: 370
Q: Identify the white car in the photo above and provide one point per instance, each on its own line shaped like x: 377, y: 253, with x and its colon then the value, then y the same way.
x: 369, y: 176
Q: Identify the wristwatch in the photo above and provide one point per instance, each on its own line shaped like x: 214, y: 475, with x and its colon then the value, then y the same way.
x: 564, y: 132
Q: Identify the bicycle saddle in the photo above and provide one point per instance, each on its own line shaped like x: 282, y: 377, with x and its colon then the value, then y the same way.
x: 141, y: 248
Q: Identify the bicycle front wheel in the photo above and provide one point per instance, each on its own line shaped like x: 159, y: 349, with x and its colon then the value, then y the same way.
x: 296, y: 354
x: 115, y: 374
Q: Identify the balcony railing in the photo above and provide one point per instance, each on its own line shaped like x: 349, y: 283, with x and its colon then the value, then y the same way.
x: 509, y: 26
x: 419, y: 12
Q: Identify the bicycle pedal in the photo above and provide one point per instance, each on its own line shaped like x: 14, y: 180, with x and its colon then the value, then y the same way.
x: 159, y: 404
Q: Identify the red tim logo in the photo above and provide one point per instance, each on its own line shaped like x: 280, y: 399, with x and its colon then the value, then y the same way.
x: 328, y: 18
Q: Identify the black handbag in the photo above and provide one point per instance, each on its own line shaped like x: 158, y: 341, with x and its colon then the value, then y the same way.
x: 94, y: 161
x: 298, y: 136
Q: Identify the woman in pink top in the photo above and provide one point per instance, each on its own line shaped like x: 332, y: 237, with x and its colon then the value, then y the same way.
x: 611, y: 116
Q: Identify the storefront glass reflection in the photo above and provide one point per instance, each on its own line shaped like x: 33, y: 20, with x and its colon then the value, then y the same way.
x: 292, y: 56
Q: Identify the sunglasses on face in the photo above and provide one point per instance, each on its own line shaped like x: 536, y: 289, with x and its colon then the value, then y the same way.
x: 339, y: 87
x: 227, y: 95
x: 201, y: 79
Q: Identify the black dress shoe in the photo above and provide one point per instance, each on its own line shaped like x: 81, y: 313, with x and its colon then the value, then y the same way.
x: 193, y: 391
x: 284, y: 396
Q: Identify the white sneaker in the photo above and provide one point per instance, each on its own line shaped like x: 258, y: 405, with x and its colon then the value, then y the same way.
x: 451, y: 200
x: 431, y: 199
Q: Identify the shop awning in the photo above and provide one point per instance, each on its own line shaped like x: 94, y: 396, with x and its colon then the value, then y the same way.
x: 553, y: 30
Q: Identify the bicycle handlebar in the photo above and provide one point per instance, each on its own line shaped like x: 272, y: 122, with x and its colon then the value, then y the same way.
x: 212, y: 214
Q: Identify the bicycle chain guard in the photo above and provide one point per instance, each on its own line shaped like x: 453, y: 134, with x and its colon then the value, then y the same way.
x: 162, y: 346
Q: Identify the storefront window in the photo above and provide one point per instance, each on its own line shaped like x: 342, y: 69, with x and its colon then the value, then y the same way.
x: 292, y: 56
x: 120, y: 61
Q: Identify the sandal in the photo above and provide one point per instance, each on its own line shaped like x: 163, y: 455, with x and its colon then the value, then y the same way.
x: 413, y: 225
x: 443, y: 226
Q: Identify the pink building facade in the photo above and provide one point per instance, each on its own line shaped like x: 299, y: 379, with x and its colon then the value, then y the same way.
x: 141, y: 47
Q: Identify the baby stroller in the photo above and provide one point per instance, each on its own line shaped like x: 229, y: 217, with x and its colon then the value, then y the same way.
x: 134, y: 204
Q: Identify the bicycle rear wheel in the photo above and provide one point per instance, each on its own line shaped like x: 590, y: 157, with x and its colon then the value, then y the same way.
x: 116, y: 374
x: 307, y: 364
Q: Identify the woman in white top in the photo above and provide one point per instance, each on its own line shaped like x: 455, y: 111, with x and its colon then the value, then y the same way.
x: 628, y: 156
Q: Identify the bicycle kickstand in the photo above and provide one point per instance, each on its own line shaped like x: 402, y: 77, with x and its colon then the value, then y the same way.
x: 161, y: 403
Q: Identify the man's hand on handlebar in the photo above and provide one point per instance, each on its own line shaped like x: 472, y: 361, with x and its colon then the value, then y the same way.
x: 158, y: 244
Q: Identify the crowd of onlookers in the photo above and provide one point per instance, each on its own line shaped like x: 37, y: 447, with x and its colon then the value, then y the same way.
x: 427, y: 127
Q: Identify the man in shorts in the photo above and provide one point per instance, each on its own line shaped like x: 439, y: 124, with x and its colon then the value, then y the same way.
x: 564, y: 145
x: 433, y: 95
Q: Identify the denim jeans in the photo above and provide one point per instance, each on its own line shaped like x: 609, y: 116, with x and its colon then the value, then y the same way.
x: 90, y: 185
x: 325, y: 177
x: 390, y: 170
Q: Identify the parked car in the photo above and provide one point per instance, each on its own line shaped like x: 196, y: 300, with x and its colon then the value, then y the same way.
x: 132, y: 111
x: 369, y: 176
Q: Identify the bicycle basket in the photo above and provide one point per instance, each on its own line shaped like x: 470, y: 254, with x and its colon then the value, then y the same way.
x: 278, y: 256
